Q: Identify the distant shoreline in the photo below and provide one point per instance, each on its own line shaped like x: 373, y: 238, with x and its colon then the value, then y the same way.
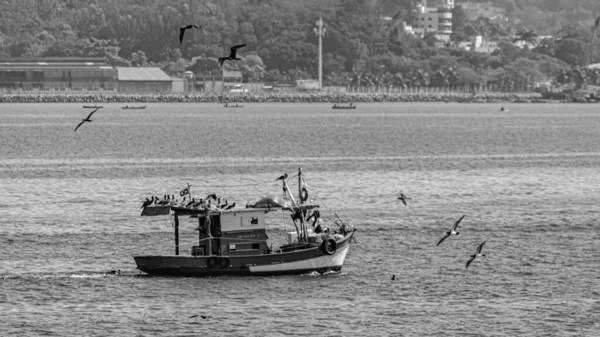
x: 484, y: 97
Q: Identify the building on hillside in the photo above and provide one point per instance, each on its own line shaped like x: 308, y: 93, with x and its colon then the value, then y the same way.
x: 53, y: 74
x: 143, y: 80
x: 436, y: 20
x: 530, y: 45
x: 479, y: 45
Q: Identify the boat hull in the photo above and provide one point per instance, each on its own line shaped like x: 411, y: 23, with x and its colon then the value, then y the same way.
x: 133, y: 107
x: 313, y: 259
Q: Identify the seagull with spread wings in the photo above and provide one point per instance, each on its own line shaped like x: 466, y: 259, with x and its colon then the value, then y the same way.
x: 403, y: 198
x: 232, y: 56
x: 87, y: 119
x: 477, y: 253
x: 451, y: 231
x: 184, y: 28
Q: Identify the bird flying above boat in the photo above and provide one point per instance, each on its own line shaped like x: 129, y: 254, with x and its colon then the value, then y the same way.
x: 148, y: 202
x: 403, y: 198
x: 87, y: 119
x: 282, y: 177
x: 232, y: 56
x: 184, y: 28
x: 477, y: 253
x: 452, y: 231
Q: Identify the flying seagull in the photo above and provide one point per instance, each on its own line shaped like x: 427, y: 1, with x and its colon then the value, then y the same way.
x: 282, y: 177
x: 452, y: 231
x: 477, y: 253
x: 232, y: 55
x: 403, y: 198
x: 184, y: 28
x: 87, y: 119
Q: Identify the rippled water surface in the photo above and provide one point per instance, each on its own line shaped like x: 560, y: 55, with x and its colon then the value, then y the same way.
x: 528, y: 181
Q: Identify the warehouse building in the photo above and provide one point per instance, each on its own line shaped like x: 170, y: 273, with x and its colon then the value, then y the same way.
x: 143, y: 80
x: 52, y: 74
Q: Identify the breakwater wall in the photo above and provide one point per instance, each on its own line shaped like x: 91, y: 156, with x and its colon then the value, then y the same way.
x: 483, y: 97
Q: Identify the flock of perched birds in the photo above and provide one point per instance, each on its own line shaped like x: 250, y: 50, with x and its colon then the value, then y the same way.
x: 449, y: 233
x: 231, y: 57
x: 169, y: 200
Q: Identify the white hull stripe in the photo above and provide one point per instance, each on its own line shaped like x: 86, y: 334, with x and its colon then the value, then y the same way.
x: 325, y: 261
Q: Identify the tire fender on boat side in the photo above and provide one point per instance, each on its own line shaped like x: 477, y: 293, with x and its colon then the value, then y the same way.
x: 212, y: 261
x: 329, y: 246
x: 304, y: 195
x: 224, y: 262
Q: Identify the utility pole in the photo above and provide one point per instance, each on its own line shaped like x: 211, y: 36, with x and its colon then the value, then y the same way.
x: 320, y: 31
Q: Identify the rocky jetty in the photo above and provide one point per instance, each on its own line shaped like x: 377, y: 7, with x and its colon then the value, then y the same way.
x: 484, y: 97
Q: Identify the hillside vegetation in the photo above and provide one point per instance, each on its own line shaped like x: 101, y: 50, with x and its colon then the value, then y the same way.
x: 359, y: 47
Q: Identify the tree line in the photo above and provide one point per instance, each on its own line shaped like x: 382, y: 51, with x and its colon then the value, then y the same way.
x: 365, y: 42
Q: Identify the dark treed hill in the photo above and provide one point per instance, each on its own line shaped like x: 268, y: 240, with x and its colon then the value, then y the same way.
x: 360, y: 46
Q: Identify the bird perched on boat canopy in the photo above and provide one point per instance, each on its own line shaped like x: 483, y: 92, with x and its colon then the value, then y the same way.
x: 87, y: 119
x: 148, y: 202
x: 232, y: 56
x: 477, y: 253
x: 230, y: 206
x: 212, y: 196
x: 452, y: 231
x: 184, y: 28
x: 284, y: 176
x: 164, y: 201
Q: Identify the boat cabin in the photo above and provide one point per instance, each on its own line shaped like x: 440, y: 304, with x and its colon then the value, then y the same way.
x: 229, y: 233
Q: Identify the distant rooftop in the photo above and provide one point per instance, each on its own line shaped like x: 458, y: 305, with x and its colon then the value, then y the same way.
x: 142, y: 74
x: 52, y: 63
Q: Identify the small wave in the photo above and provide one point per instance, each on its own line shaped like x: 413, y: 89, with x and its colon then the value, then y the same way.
x: 79, y: 201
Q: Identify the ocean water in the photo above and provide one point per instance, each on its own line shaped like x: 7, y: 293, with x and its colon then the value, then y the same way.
x: 528, y: 181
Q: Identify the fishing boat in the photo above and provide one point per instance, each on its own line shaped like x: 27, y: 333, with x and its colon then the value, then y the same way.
x: 234, y: 241
x: 134, y: 107
x: 93, y: 107
x: 342, y: 106
x: 232, y: 106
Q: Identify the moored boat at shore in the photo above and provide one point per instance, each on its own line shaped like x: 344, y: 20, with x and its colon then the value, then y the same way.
x: 93, y: 107
x: 227, y: 105
x: 233, y: 242
x: 134, y: 107
x: 343, y: 106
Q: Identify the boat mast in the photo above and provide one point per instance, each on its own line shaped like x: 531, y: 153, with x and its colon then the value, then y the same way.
x: 302, y: 220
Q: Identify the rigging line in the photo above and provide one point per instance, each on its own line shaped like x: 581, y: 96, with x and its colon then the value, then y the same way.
x: 317, y: 196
